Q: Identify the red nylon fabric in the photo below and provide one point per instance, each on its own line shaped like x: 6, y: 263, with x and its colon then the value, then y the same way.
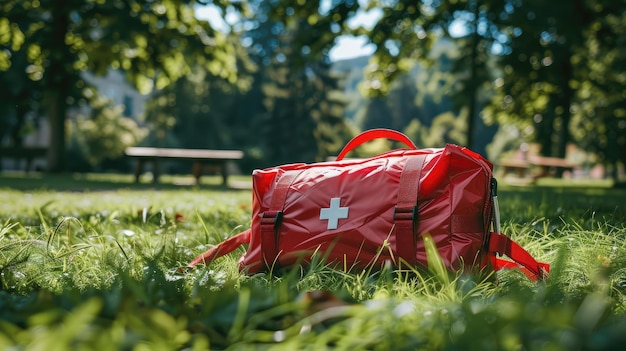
x: 454, y: 183
x: 372, y: 134
x: 406, y: 217
x: 344, y: 211
x: 272, y: 218
x: 503, y: 245
x: 223, y: 248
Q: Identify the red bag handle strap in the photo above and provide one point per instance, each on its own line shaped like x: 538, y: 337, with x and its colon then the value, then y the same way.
x: 225, y: 247
x: 271, y: 220
x: 405, y: 214
x: 372, y: 134
x: 502, y: 244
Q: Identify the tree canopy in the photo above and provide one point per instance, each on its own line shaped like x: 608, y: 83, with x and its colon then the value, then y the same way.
x: 53, y: 41
x: 543, y: 62
x: 555, y: 69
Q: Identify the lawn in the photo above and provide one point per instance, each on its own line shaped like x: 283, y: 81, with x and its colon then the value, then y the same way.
x: 91, y: 262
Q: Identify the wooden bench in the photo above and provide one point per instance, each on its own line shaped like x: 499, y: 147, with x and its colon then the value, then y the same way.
x: 550, y: 165
x: 27, y: 153
x: 520, y: 167
x: 199, y: 157
x: 547, y: 165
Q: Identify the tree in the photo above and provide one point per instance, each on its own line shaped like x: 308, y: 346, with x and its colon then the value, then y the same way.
x: 534, y: 54
x: 402, y: 103
x: 561, y: 67
x: 445, y: 128
x: 303, y: 119
x: 416, y: 98
x: 19, y: 98
x: 302, y: 108
x: 599, y: 113
x: 105, y: 133
x: 405, y: 34
x: 538, y: 69
x: 200, y: 110
x: 414, y: 32
x: 321, y: 22
x: 327, y: 110
x: 377, y: 114
x: 144, y: 38
x: 471, y: 67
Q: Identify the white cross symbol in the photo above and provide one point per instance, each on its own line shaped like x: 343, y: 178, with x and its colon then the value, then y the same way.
x: 333, y: 213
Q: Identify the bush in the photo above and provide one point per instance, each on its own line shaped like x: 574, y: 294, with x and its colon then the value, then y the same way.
x: 105, y: 133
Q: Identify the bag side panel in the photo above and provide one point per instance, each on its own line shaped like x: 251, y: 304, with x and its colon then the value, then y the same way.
x: 470, y: 182
x: 263, y: 181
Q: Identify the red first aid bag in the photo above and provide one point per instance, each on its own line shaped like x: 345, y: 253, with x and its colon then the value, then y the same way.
x: 359, y: 213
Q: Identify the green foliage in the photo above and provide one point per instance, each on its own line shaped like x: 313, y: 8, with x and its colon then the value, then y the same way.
x: 425, y: 94
x: 200, y: 110
x: 154, y: 42
x: 549, y: 76
x: 445, y: 128
x: 302, y: 118
x: 106, y: 133
x: 554, y: 68
x: 599, y: 121
x: 323, y: 24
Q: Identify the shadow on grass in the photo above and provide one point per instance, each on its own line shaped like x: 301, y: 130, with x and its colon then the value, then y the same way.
x: 79, y: 182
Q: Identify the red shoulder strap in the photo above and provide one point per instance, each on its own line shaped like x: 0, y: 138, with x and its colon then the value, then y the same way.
x: 221, y: 249
x: 503, y: 245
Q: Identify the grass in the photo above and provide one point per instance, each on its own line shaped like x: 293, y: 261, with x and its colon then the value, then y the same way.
x: 90, y: 262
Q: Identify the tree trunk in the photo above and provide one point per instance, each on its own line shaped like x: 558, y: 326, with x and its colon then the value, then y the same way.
x: 56, y: 116
x: 565, y: 103
x: 21, y: 110
x: 471, y: 120
x: 59, y: 76
x: 623, y: 159
x: 473, y: 81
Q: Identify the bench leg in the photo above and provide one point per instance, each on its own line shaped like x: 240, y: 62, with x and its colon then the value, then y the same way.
x: 196, y: 171
x: 155, y: 171
x: 138, y: 167
x: 544, y: 171
x: 507, y: 170
x: 29, y: 164
x: 224, y: 171
x: 519, y: 171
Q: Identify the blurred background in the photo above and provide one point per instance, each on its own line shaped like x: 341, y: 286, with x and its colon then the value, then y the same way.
x: 292, y: 81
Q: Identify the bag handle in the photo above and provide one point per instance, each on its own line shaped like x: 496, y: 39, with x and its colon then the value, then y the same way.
x: 500, y: 244
x: 372, y: 134
x: 227, y: 246
x: 503, y: 245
